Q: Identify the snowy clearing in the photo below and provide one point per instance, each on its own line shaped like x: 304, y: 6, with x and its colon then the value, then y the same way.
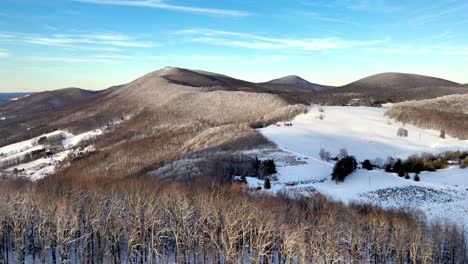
x: 366, y: 134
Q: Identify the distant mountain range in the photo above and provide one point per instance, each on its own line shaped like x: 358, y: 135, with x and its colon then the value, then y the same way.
x: 6, y: 97
x: 173, y: 112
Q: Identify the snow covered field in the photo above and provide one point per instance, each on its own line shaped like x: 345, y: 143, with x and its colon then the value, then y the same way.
x: 366, y: 134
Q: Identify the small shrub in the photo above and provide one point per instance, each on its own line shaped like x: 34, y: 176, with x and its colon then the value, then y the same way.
x: 416, y: 177
x: 442, y: 133
x: 42, y: 140
x: 407, y: 176
x: 401, y: 173
x: 438, y: 165
x: 402, y: 132
x: 464, y: 163
x: 343, y: 168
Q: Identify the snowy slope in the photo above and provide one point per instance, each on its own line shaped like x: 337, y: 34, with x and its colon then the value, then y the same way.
x: 364, y: 131
x: 367, y: 134
x: 42, y: 164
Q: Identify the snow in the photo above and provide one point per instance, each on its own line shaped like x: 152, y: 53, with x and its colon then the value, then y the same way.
x: 73, y: 140
x: 43, y: 166
x: 27, y: 144
x: 366, y: 134
x: 364, y: 131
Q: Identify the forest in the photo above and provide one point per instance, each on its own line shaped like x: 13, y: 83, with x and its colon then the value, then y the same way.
x: 142, y: 220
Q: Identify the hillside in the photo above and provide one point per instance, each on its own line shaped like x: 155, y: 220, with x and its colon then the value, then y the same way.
x: 293, y: 82
x: 447, y: 113
x: 176, y: 112
x: 7, y: 97
x: 390, y: 87
x: 182, y: 114
x: 33, y: 115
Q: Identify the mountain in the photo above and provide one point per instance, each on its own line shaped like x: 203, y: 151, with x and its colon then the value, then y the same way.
x: 175, y: 113
x: 295, y: 82
x: 6, y: 97
x: 396, y: 81
x: 389, y: 87
x: 157, y: 118
x: 33, y: 114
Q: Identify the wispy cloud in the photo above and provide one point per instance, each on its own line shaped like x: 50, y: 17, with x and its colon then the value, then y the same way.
x: 93, y: 41
x: 436, y: 12
x: 4, y: 53
x: 71, y: 59
x: 372, y: 6
x: 333, y: 19
x: 250, y: 41
x: 160, y: 4
x: 402, y: 50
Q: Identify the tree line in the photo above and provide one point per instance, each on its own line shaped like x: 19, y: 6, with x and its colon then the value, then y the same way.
x: 140, y: 220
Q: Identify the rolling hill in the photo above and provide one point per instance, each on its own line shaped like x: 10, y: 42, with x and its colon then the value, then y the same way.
x: 176, y: 113
x: 293, y: 82
x: 164, y: 115
x: 389, y: 87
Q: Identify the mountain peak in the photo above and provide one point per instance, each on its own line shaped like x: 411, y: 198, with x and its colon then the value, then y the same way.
x: 298, y: 82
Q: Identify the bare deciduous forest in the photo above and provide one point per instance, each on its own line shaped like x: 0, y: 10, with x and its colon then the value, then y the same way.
x: 447, y: 113
x: 144, y: 221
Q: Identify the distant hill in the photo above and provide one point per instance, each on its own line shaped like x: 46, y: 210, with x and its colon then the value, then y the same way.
x: 396, y: 81
x: 390, y: 87
x: 6, y: 97
x: 33, y: 114
x: 295, y: 82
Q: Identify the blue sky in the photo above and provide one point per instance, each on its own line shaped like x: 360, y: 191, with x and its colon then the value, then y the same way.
x: 94, y: 44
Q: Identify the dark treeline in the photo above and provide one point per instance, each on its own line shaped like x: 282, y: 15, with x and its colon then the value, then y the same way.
x: 144, y: 221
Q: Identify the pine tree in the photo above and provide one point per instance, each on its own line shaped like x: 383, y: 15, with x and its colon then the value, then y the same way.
x: 401, y: 173
x: 256, y: 166
x: 343, y: 168
x: 367, y: 165
x: 267, y: 184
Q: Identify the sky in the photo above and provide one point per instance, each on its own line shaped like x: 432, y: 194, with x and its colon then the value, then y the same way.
x: 94, y: 44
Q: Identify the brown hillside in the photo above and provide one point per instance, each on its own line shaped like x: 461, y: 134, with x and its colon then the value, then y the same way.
x: 449, y: 113
x: 389, y: 87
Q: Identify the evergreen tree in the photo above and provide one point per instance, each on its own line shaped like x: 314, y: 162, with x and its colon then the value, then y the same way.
x: 401, y: 173
x: 256, y: 166
x: 267, y: 184
x: 343, y: 168
x: 398, y: 166
x: 367, y: 165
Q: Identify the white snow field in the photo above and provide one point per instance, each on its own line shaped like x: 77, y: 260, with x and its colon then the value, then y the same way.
x: 367, y: 134
x: 19, y: 153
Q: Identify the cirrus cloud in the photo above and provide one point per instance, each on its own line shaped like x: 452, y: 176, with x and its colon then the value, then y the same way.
x: 159, y: 4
